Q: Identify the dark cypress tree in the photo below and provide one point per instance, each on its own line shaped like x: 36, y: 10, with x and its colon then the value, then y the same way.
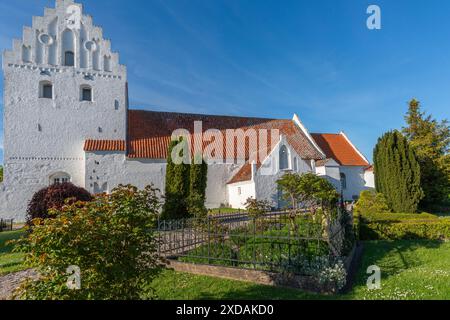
x: 197, y: 188
x: 177, y: 186
x: 397, y: 172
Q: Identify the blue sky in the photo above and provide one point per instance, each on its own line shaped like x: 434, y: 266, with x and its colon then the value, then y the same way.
x: 275, y: 58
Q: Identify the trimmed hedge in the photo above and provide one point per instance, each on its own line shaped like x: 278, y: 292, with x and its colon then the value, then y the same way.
x: 398, y: 217
x: 401, y: 226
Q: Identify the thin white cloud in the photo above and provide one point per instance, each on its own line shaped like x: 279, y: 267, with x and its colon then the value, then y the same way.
x: 269, y: 84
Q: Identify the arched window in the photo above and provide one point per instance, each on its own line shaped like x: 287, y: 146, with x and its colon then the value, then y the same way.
x: 68, y: 48
x: 26, y: 53
x: 284, y: 158
x: 60, y: 177
x: 86, y: 93
x: 343, y: 181
x: 46, y: 90
x: 107, y: 63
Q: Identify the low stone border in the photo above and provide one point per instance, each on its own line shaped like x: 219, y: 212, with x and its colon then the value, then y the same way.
x: 352, y: 265
x: 12, y: 281
x: 305, y: 283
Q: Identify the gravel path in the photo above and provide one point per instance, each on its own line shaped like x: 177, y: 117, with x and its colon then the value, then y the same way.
x: 12, y: 281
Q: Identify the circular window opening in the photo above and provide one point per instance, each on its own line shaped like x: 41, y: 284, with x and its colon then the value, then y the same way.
x: 45, y: 39
x: 90, y: 46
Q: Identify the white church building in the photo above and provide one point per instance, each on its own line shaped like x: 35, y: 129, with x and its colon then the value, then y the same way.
x: 66, y: 118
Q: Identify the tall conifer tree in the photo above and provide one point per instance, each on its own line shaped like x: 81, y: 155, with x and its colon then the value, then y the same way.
x: 177, y: 186
x: 397, y: 173
x: 197, y: 188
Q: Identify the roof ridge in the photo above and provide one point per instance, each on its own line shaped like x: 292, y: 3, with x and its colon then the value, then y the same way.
x: 206, y: 115
x: 326, y: 133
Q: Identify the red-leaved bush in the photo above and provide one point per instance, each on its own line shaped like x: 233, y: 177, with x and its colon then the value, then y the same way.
x: 54, y: 197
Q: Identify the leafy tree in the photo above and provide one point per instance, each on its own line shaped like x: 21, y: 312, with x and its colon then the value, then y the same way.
x: 431, y: 142
x: 177, y: 184
x: 197, y: 187
x: 111, y: 240
x: 371, y: 202
x: 308, y: 191
x: 257, y: 208
x: 397, y: 172
x: 311, y: 192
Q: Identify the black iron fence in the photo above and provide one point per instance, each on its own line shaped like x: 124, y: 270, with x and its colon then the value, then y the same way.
x: 6, y: 224
x: 276, y: 241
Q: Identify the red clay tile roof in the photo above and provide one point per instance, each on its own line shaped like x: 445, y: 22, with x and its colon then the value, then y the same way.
x: 149, y: 133
x: 104, y: 145
x: 337, y: 147
x: 321, y: 163
x: 244, y: 174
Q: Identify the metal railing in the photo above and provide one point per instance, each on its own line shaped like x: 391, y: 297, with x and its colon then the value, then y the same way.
x: 6, y: 224
x: 276, y: 241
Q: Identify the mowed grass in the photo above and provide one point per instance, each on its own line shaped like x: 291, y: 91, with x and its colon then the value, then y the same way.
x: 9, y: 261
x: 412, y: 270
x: 171, y: 285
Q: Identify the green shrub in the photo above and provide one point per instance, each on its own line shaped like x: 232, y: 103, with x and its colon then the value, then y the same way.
x: 54, y: 197
x: 403, y: 226
x: 257, y: 208
x: 397, y: 217
x: 438, y: 229
x: 371, y: 202
x: 110, y: 240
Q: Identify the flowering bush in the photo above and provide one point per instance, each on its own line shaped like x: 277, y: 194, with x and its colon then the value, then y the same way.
x: 329, y: 272
x: 110, y: 240
x: 333, y: 273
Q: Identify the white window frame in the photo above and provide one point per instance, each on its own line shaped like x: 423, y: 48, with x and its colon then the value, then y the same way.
x: 86, y: 87
x: 60, y: 177
x: 288, y: 158
x: 42, y: 86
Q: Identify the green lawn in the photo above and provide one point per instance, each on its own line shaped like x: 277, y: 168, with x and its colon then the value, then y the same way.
x: 181, y: 286
x: 9, y: 262
x: 410, y: 270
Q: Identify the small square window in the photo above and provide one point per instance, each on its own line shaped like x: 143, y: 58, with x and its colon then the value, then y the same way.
x: 86, y: 94
x: 47, y: 91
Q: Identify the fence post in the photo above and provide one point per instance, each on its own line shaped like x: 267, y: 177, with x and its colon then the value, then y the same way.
x: 158, y: 229
x: 209, y: 240
x: 254, y: 242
